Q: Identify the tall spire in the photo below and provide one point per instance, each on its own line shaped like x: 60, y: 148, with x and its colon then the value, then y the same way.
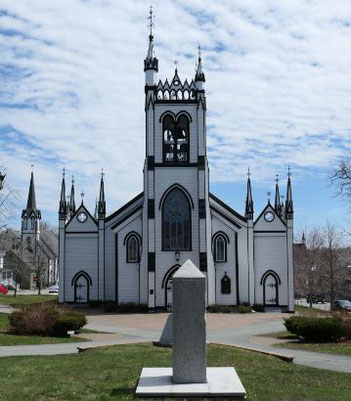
x: 102, y: 203
x: 289, y: 209
x: 277, y: 204
x: 249, y: 211
x: 72, y: 203
x: 62, y: 204
x: 31, y: 207
x: 151, y: 62
x: 31, y: 203
x: 199, y: 75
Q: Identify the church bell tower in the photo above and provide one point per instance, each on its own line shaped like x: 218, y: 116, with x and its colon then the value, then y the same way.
x: 176, y: 203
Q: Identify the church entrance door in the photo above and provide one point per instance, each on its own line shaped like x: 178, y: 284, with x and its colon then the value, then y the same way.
x: 270, y: 290
x: 81, y: 290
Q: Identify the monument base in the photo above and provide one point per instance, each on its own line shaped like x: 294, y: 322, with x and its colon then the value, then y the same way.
x: 221, y: 382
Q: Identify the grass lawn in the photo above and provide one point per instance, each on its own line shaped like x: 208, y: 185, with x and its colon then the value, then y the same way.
x: 14, y: 339
x: 329, y: 348
x: 313, y: 311
x: 112, y: 373
x: 9, y: 299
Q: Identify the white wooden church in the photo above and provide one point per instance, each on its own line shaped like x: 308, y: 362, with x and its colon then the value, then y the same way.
x: 132, y: 254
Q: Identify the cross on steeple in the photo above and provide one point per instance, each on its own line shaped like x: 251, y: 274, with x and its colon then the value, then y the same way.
x: 151, y: 23
x: 82, y: 196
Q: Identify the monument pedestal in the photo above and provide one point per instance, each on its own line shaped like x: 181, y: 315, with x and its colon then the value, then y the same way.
x: 221, y: 382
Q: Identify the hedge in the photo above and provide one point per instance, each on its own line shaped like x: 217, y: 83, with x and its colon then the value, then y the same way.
x: 316, y: 329
x: 45, y: 319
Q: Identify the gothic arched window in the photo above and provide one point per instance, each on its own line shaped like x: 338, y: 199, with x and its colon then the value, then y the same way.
x: 220, y: 248
x: 176, y: 233
x: 32, y: 223
x: 225, y: 284
x: 133, y: 249
x: 175, y: 139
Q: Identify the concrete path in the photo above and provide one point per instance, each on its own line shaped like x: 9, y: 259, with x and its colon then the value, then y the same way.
x: 238, y: 330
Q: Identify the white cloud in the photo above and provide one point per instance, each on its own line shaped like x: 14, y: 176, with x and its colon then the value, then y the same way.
x: 278, y: 86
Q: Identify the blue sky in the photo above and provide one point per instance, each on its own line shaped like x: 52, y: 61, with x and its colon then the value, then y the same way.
x: 278, y: 84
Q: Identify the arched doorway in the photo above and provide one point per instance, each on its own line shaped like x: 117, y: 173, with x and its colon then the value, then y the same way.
x: 270, y: 281
x: 81, y: 282
x: 167, y: 285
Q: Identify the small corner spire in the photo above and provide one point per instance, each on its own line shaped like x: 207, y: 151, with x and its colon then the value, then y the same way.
x: 249, y: 211
x: 62, y: 203
x: 72, y: 203
x: 289, y: 209
x: 102, y: 202
x: 199, y: 75
x: 277, y: 204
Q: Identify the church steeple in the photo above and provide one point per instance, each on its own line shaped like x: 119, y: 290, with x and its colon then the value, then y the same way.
x: 150, y: 62
x: 277, y: 204
x: 62, y: 203
x: 102, y: 202
x: 72, y: 203
x: 249, y: 211
x: 289, y: 209
x: 31, y: 208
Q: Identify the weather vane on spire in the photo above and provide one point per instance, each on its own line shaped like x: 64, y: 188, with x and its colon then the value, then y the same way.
x: 277, y: 178
x: 102, y: 173
x: 289, y: 171
x: 151, y: 20
x: 248, y: 173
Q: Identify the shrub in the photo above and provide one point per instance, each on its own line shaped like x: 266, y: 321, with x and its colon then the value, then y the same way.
x: 258, y: 308
x: 244, y: 308
x: 220, y: 308
x: 45, y: 319
x: 346, y: 325
x: 315, y: 329
x: 68, y: 321
x: 129, y: 307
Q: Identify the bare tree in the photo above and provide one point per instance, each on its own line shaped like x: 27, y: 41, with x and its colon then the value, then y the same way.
x: 8, y: 198
x: 307, y: 263
x: 340, y: 176
x: 333, y: 269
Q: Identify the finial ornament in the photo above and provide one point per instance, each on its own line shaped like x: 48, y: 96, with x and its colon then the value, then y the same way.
x: 269, y: 196
x: 63, y: 172
x: 32, y: 167
x: 72, y: 179
x: 151, y: 23
x: 102, y: 173
x: 82, y: 195
x: 277, y: 178
x: 248, y: 173
x: 289, y: 171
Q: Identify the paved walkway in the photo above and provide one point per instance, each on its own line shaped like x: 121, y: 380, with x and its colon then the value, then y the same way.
x: 232, y: 329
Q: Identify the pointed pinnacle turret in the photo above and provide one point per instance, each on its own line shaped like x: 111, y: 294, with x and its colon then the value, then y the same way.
x: 277, y: 204
x: 289, y: 209
x: 62, y: 203
x: 72, y: 203
x: 151, y: 62
x: 199, y: 75
x: 102, y: 202
x: 249, y: 211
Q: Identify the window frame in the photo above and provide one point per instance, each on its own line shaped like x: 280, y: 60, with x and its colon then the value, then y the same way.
x: 164, y: 204
x: 169, y: 119
x: 217, y: 237
x: 130, y: 237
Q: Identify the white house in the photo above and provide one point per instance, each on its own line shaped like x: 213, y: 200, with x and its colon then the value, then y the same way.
x: 132, y: 254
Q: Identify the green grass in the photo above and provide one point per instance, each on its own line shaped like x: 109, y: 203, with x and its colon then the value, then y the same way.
x: 26, y: 299
x: 306, y: 309
x: 15, y: 339
x: 112, y: 373
x: 329, y: 348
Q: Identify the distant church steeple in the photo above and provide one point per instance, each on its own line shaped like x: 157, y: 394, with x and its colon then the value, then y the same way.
x: 249, y: 211
x: 31, y: 217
